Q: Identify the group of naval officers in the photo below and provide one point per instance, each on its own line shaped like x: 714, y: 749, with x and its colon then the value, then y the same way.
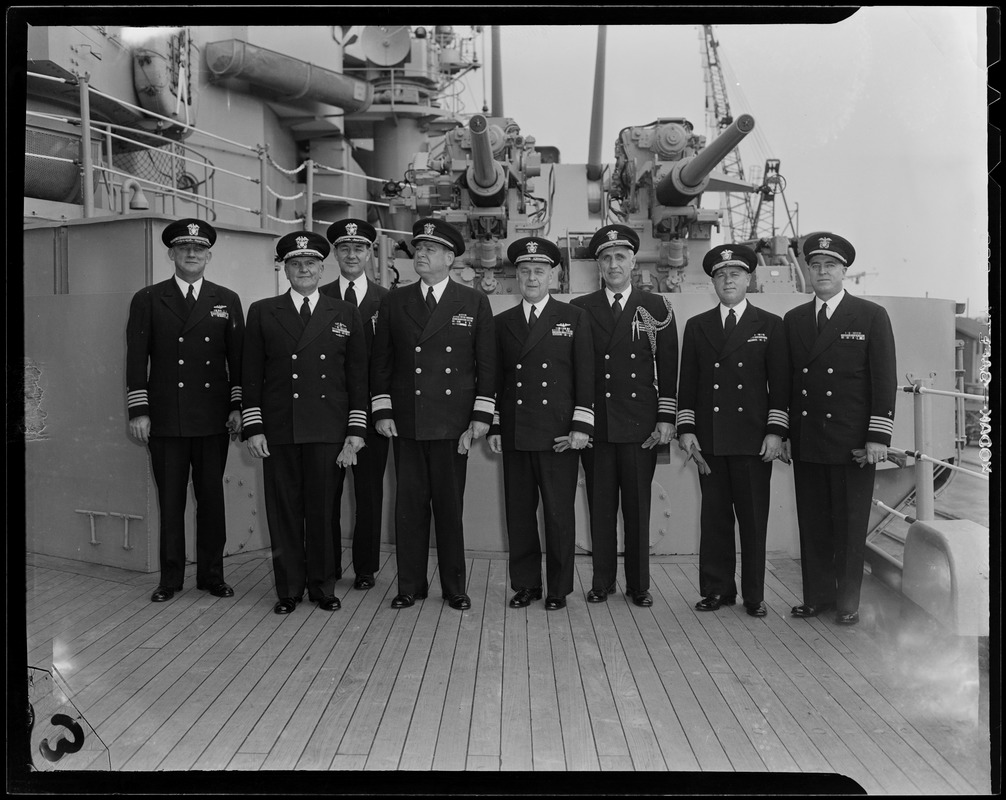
x: 329, y: 376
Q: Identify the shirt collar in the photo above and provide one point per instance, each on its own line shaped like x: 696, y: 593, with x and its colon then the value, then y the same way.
x: 184, y: 286
x: 832, y: 303
x: 438, y: 288
x: 298, y: 299
x: 738, y: 311
x: 359, y: 287
x: 625, y: 295
x: 538, y: 307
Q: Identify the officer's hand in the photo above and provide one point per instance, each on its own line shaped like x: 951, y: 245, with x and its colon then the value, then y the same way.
x: 234, y: 424
x: 478, y: 429
x: 875, y: 453
x: 688, y: 442
x: 258, y: 446
x: 386, y: 427
x: 661, y: 435
x: 771, y: 447
x: 495, y: 442
x: 465, y: 442
x: 139, y: 428
x: 786, y: 452
x: 352, y: 446
x: 578, y: 440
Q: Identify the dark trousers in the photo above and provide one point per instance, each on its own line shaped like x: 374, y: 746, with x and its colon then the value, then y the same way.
x: 171, y: 458
x: 429, y: 473
x: 613, y: 471
x: 526, y: 474
x: 833, y: 512
x: 736, y: 485
x: 368, y: 489
x: 299, y: 496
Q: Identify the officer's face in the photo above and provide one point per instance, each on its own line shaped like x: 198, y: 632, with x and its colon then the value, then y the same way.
x: 533, y: 279
x: 616, y: 265
x: 433, y: 261
x: 190, y: 260
x: 352, y: 258
x: 826, y: 275
x: 731, y: 284
x: 304, y: 273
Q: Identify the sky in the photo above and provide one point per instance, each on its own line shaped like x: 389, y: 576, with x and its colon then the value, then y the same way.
x: 879, y: 122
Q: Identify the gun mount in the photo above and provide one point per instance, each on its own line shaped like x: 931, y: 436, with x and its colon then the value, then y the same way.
x: 689, y: 177
x: 486, y: 178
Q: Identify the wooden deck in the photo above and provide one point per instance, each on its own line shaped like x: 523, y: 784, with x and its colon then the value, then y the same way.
x: 201, y: 683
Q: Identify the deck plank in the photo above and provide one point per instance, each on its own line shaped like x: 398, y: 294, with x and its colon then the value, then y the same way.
x: 545, y: 733
x: 674, y: 745
x: 421, y: 743
x: 210, y: 683
x: 606, y: 727
x: 515, y: 712
x: 484, y: 738
x: 291, y: 724
x: 574, y: 715
x: 455, y: 723
x: 639, y: 735
x: 389, y: 741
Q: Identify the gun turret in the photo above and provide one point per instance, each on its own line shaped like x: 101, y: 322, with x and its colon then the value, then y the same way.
x: 690, y: 176
x: 486, y: 177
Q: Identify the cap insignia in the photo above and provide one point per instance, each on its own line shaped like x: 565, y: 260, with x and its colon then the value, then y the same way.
x: 612, y: 235
x: 726, y: 255
x: 532, y: 247
x: 824, y: 242
x: 428, y: 228
x: 193, y: 229
x: 351, y: 229
x: 302, y: 242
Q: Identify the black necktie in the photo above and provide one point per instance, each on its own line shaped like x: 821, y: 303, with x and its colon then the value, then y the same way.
x: 190, y: 299
x: 305, y: 311
x: 730, y: 324
x: 532, y: 318
x: 431, y: 301
x: 822, y: 317
x: 350, y: 294
x: 616, y: 307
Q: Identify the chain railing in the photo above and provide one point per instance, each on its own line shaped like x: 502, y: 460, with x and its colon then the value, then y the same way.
x: 172, y: 154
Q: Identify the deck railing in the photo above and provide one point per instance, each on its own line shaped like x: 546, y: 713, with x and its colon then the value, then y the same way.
x: 925, y: 508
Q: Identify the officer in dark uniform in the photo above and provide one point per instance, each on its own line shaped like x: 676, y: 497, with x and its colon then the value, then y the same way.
x: 189, y: 332
x: 352, y: 245
x: 544, y: 416
x: 305, y: 398
x: 733, y: 398
x: 433, y: 376
x: 635, y: 378
x: 844, y: 386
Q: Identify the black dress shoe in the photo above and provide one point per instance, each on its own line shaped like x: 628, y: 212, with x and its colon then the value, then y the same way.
x: 219, y: 590
x: 286, y: 605
x: 364, y: 582
x: 329, y: 603
x: 524, y: 597
x: 848, y: 619
x: 406, y: 600
x: 809, y: 609
x: 600, y: 595
x: 756, y: 609
x: 639, y: 598
x: 554, y: 603
x: 712, y: 602
x: 162, y: 593
x: 461, y: 602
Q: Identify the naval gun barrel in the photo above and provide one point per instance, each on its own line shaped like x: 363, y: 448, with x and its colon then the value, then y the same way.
x: 486, y: 176
x: 689, y: 177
